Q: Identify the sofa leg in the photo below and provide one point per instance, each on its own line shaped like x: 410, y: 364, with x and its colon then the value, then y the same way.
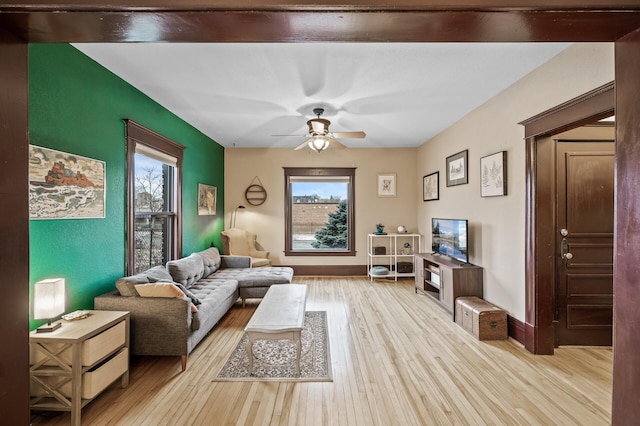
x: 183, y: 358
x: 244, y: 304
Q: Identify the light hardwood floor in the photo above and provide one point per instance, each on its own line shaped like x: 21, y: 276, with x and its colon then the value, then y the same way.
x: 398, y: 359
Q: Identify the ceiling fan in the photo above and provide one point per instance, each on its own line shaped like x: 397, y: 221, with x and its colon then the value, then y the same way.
x: 320, y: 138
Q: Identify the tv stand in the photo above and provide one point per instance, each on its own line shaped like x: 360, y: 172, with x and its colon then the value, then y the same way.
x: 445, y: 279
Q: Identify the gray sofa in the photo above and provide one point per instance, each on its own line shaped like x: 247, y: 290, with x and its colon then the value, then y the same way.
x: 213, y: 283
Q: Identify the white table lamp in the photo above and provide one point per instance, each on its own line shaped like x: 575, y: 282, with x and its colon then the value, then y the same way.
x: 48, y: 302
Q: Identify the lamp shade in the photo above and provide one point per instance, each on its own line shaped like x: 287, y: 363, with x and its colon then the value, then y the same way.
x: 48, y: 298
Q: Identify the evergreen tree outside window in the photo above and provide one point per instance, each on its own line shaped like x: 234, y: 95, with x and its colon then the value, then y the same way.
x: 319, y: 211
x: 334, y: 234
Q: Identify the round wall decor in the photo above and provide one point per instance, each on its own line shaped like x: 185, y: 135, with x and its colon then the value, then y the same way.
x: 255, y: 194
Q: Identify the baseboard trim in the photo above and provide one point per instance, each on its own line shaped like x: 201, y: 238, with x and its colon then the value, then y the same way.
x: 330, y: 270
x: 516, y: 329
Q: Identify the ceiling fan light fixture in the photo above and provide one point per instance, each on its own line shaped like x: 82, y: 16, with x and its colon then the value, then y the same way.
x: 320, y: 138
x: 319, y: 143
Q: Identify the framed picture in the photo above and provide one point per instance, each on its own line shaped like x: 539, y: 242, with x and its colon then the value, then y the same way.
x: 386, y: 185
x: 431, y: 187
x: 206, y: 200
x: 458, y: 168
x: 493, y: 175
x: 65, y: 186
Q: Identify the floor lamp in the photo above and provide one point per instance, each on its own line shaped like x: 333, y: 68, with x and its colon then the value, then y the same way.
x: 235, y: 212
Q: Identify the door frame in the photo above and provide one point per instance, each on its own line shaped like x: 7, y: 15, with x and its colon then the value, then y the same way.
x: 541, y: 204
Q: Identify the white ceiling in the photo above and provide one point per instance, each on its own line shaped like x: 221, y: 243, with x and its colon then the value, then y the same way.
x: 400, y: 94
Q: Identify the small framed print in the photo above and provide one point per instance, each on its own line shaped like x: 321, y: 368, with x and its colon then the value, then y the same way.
x: 493, y: 175
x: 458, y: 168
x: 431, y: 187
x: 386, y: 185
x: 206, y: 200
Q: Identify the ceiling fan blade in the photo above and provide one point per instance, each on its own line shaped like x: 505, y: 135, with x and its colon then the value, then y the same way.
x: 349, y: 135
x: 297, y: 136
x: 302, y: 145
x: 335, y: 144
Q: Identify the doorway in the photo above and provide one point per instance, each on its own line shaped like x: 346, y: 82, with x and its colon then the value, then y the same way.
x: 541, y: 203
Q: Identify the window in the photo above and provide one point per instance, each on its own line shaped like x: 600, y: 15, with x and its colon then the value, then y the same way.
x: 154, y: 225
x: 319, y: 211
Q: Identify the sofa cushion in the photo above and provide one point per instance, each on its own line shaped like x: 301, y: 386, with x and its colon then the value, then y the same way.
x: 187, y: 270
x: 257, y: 277
x: 214, y: 290
x: 210, y: 259
x: 168, y: 290
x: 158, y: 273
x: 126, y: 285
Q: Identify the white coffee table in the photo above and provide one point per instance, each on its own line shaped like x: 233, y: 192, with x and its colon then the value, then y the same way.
x: 279, y: 316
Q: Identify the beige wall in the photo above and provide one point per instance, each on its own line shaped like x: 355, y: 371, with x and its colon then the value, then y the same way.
x: 242, y: 165
x: 496, y: 225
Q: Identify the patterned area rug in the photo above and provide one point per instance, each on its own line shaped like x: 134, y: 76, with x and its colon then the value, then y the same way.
x: 275, y: 360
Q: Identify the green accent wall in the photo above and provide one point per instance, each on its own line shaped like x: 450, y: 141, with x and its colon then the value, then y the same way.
x: 77, y: 106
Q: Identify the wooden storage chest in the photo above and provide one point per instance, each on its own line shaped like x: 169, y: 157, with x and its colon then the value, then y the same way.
x: 482, y: 319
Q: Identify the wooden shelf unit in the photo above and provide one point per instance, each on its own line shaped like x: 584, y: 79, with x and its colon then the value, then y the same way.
x: 394, y: 252
x: 445, y: 279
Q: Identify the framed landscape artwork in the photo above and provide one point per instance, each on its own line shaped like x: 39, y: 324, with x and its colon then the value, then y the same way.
x: 458, y: 168
x: 431, y: 187
x: 493, y: 175
x: 65, y: 186
x: 207, y: 197
x: 386, y: 185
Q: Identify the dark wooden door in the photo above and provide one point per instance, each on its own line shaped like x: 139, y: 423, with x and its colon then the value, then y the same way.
x: 584, y: 243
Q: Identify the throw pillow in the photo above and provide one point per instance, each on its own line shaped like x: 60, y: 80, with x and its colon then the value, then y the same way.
x: 126, y: 285
x: 158, y: 273
x: 168, y: 290
x: 189, y: 294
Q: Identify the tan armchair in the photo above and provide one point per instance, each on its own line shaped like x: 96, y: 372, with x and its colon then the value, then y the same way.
x: 239, y: 242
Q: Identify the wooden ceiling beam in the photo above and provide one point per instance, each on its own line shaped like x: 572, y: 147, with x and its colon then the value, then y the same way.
x: 327, y: 5
x: 328, y: 26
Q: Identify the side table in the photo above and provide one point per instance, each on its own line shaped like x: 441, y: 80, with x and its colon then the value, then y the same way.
x: 73, y: 364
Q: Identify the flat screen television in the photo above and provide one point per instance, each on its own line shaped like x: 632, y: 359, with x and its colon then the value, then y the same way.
x: 449, y: 237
